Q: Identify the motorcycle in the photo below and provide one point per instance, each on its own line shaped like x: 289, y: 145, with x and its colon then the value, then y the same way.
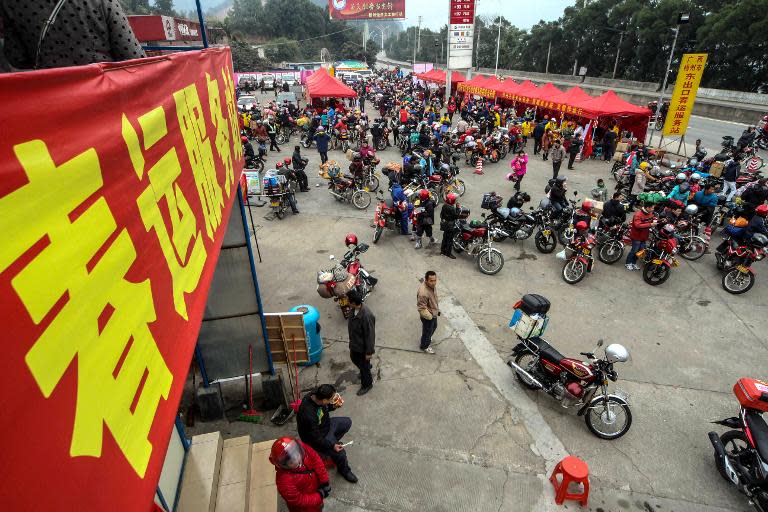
x: 370, y: 178
x: 386, y: 216
x: 659, y: 258
x: 579, y: 259
x: 307, y: 137
x: 741, y: 454
x: 611, y: 241
x: 476, y: 239
x: 256, y: 163
x: 575, y: 383
x: 451, y: 183
x: 345, y: 276
x: 691, y: 245
x: 383, y: 142
x: 349, y: 190
x: 736, y: 260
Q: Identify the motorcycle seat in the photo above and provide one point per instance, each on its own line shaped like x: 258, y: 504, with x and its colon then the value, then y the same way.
x: 759, y: 430
x: 503, y: 212
x: 546, y: 350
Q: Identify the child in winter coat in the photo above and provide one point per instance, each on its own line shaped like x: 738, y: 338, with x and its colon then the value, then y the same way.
x: 519, y: 167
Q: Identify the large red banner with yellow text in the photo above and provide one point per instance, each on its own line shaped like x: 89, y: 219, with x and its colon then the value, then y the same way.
x: 116, y: 184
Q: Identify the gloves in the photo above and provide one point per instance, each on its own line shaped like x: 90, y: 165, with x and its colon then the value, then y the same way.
x: 324, y: 490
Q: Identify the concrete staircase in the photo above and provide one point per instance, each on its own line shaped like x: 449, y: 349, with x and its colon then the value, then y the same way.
x: 230, y: 475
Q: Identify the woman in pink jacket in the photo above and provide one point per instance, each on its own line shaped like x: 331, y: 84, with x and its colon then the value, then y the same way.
x: 519, y: 168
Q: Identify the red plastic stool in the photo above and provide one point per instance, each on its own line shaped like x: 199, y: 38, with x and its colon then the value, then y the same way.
x: 573, y: 470
x: 328, y: 463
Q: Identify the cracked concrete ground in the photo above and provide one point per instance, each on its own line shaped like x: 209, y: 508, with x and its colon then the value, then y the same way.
x: 454, y: 431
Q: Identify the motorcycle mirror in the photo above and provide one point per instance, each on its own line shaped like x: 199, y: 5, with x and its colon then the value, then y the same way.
x: 575, y: 192
x: 600, y: 342
x: 332, y: 257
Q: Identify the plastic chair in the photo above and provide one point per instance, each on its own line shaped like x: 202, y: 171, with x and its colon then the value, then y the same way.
x: 572, y: 470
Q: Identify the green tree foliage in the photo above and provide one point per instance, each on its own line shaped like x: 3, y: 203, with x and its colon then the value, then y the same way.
x: 245, y: 58
x: 164, y: 7
x: 733, y: 32
x: 282, y: 49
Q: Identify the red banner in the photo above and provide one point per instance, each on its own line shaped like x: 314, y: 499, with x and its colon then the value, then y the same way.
x: 366, y: 9
x: 116, y: 185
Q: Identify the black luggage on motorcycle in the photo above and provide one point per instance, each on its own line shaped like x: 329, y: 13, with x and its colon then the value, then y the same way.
x: 532, y: 303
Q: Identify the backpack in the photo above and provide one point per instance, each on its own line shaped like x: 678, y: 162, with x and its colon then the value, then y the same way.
x: 549, y: 185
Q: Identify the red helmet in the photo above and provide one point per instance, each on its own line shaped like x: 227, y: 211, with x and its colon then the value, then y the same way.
x: 497, y: 108
x: 279, y: 165
x: 762, y: 210
x: 582, y: 226
x: 287, y: 160
x: 244, y: 138
x: 668, y: 231
x: 450, y: 198
x: 587, y: 205
x: 350, y: 239
x: 423, y: 194
x: 286, y: 453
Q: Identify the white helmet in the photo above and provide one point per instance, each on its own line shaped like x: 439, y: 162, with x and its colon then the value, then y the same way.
x: 681, y: 177
x: 695, y: 176
x: 691, y: 209
x: 615, y: 353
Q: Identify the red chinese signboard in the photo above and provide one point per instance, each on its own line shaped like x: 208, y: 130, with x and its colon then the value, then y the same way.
x: 462, y: 12
x: 116, y: 185
x: 366, y: 9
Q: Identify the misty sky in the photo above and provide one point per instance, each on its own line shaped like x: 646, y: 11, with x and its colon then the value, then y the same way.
x: 521, y: 13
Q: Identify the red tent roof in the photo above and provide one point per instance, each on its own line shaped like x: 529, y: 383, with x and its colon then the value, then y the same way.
x: 438, y: 76
x: 573, y: 96
x: 610, y: 104
x: 322, y: 85
x: 548, y: 91
x: 494, y: 83
x: 527, y: 89
x: 479, y: 85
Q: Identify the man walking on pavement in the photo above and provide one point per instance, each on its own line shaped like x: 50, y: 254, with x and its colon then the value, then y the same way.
x: 323, y: 433
x: 573, y: 151
x: 362, y: 339
x: 538, y: 133
x: 426, y: 303
x: 558, y: 154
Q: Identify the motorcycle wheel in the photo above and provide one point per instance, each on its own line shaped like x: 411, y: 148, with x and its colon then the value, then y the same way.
x: 306, y: 142
x: 574, y: 271
x: 655, y: 274
x: 605, y: 413
x: 281, y: 138
x: 545, y: 244
x: 490, y: 261
x: 526, y: 361
x: 372, y: 183
x: 737, y: 282
x: 611, y: 252
x: 361, y: 200
x: 280, y: 214
x: 344, y: 146
x: 695, y: 249
x: 381, y: 145
x: 259, y: 166
x: 734, y: 442
x: 565, y: 235
x: 459, y: 186
x: 377, y: 233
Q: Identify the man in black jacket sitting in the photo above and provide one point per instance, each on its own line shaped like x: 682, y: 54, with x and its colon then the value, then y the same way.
x: 323, y: 433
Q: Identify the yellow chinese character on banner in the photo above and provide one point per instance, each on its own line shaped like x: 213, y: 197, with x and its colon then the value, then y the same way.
x: 192, y: 125
x: 234, y: 127
x: 185, y: 265
x: 101, y: 319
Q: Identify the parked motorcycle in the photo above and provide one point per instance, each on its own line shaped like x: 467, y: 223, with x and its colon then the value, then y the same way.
x: 659, y: 256
x: 346, y: 275
x: 736, y: 260
x: 572, y: 382
x: 579, y: 258
x: 476, y: 239
x: 349, y: 190
x: 741, y: 454
x: 386, y: 216
x: 611, y: 241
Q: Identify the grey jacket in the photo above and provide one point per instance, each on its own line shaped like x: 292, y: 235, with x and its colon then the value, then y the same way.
x: 557, y: 154
x: 80, y: 32
x: 362, y: 331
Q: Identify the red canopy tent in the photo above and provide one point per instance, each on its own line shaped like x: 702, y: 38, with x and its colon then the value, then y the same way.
x: 609, y: 106
x: 547, y: 92
x: 322, y: 85
x: 438, y: 76
x: 573, y: 96
x: 479, y: 85
x: 507, y: 89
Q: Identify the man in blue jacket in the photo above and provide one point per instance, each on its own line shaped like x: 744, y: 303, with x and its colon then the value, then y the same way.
x: 706, y: 200
x: 403, y: 206
x: 321, y: 139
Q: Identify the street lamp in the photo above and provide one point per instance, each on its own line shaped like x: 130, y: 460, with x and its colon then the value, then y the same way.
x: 498, y: 42
x: 437, y: 44
x: 682, y: 19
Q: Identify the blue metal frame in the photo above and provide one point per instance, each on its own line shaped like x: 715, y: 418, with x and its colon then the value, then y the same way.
x: 201, y: 365
x: 255, y: 279
x: 185, y: 443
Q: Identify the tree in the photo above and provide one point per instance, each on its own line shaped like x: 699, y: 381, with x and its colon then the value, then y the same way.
x: 164, y: 7
x: 245, y: 58
x: 282, y: 49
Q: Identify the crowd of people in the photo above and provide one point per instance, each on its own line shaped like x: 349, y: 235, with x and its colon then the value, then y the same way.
x: 430, y: 133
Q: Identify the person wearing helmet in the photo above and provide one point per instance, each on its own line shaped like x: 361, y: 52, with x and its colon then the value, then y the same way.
x: 400, y: 200
x: 272, y: 134
x: 424, y: 207
x: 323, y: 433
x: 248, y: 150
x: 300, y: 475
x: 287, y: 174
x: 299, y: 164
x: 584, y: 213
x: 680, y: 192
x: 695, y: 183
x: 757, y: 224
x: 639, y: 231
x: 449, y: 214
x: 706, y: 201
x: 557, y: 189
x: 754, y: 195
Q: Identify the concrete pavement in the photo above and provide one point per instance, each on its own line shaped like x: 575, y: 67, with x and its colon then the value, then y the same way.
x: 454, y: 431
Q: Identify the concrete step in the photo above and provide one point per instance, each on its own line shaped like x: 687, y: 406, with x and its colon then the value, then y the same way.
x: 234, y: 475
x: 262, y: 490
x: 200, y: 483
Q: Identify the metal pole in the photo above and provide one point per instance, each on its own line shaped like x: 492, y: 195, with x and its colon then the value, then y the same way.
x: 418, y: 43
x: 498, y: 43
x: 664, y: 84
x: 413, y: 66
x: 549, y: 50
x: 477, y: 48
x: 448, y: 61
x: 618, y: 49
x: 202, y: 23
x: 365, y: 37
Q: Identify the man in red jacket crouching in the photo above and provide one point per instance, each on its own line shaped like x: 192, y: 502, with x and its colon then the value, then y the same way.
x: 300, y: 477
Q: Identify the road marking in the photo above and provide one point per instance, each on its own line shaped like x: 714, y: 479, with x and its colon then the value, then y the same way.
x: 720, y: 120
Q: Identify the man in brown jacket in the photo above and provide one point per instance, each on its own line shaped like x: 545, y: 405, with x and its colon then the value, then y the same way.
x: 426, y: 303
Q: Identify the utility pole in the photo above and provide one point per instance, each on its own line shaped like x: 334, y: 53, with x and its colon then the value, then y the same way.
x: 418, y: 44
x: 618, y: 49
x: 681, y: 19
x: 477, y: 48
x: 498, y: 43
x: 549, y: 50
x: 365, y: 36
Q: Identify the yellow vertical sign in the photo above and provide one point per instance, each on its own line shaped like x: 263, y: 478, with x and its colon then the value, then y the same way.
x: 686, y: 86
